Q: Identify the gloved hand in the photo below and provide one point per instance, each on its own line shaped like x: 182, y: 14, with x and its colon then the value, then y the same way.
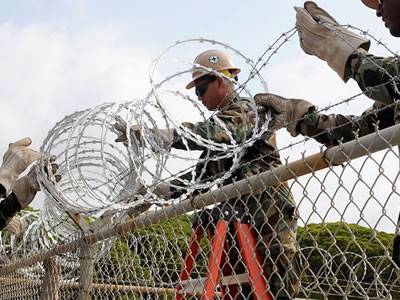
x: 120, y: 126
x: 26, y: 187
x: 287, y: 112
x: 166, y: 135
x: 322, y: 36
x: 16, y: 226
x: 163, y: 190
x: 17, y: 158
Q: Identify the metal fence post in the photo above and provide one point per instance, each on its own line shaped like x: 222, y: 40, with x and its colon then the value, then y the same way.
x: 86, y: 259
x: 51, y: 281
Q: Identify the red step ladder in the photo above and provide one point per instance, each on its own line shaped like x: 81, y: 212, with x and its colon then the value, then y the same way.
x: 223, y: 216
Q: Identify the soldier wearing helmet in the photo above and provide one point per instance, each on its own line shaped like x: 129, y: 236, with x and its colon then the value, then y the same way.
x: 212, y: 76
x: 273, y: 210
x: 347, y: 54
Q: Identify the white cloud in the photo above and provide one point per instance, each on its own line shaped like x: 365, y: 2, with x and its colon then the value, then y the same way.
x: 47, y: 73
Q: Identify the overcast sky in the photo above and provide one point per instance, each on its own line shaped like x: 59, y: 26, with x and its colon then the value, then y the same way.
x: 61, y: 56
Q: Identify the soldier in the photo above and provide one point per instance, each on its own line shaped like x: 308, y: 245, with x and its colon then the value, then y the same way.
x: 18, y: 193
x: 347, y: 54
x: 273, y: 209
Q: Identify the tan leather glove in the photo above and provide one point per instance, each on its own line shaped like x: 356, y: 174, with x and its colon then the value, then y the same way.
x: 120, y: 127
x: 17, y: 158
x: 163, y: 190
x: 287, y: 112
x: 16, y: 226
x: 322, y: 36
x: 166, y: 135
x: 26, y: 187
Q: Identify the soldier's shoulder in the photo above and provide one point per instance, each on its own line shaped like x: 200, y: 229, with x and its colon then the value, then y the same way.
x: 240, y: 103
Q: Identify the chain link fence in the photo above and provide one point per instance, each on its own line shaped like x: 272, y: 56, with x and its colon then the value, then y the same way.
x: 137, y: 220
x: 211, y: 246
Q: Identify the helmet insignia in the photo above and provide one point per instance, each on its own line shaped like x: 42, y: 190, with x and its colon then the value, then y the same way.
x: 214, y: 59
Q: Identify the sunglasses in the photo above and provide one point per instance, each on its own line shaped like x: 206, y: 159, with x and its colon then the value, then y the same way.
x: 202, y: 88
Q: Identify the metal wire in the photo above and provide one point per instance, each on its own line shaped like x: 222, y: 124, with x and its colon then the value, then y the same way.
x: 93, y: 239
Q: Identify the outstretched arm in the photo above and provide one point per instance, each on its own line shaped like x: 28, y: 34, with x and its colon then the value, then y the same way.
x: 17, y: 158
x: 380, y: 75
x: 301, y: 117
x: 232, y: 125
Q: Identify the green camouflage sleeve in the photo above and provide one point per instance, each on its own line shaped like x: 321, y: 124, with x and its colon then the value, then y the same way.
x: 373, y: 72
x: 8, y: 208
x: 332, y: 128
x: 229, y: 126
x: 2, y: 191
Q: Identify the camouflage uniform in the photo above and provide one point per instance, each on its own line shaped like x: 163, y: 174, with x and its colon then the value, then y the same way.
x: 364, y: 68
x: 8, y: 208
x: 273, y: 210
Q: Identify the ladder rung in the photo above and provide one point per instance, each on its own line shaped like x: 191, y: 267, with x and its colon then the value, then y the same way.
x: 196, y: 285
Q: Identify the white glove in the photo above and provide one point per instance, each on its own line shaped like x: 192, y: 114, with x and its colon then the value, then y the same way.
x: 26, y: 187
x: 322, y: 36
x: 287, y: 112
x: 17, y: 158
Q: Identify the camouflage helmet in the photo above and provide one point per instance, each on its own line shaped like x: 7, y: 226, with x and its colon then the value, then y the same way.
x: 212, y: 59
x: 371, y: 3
